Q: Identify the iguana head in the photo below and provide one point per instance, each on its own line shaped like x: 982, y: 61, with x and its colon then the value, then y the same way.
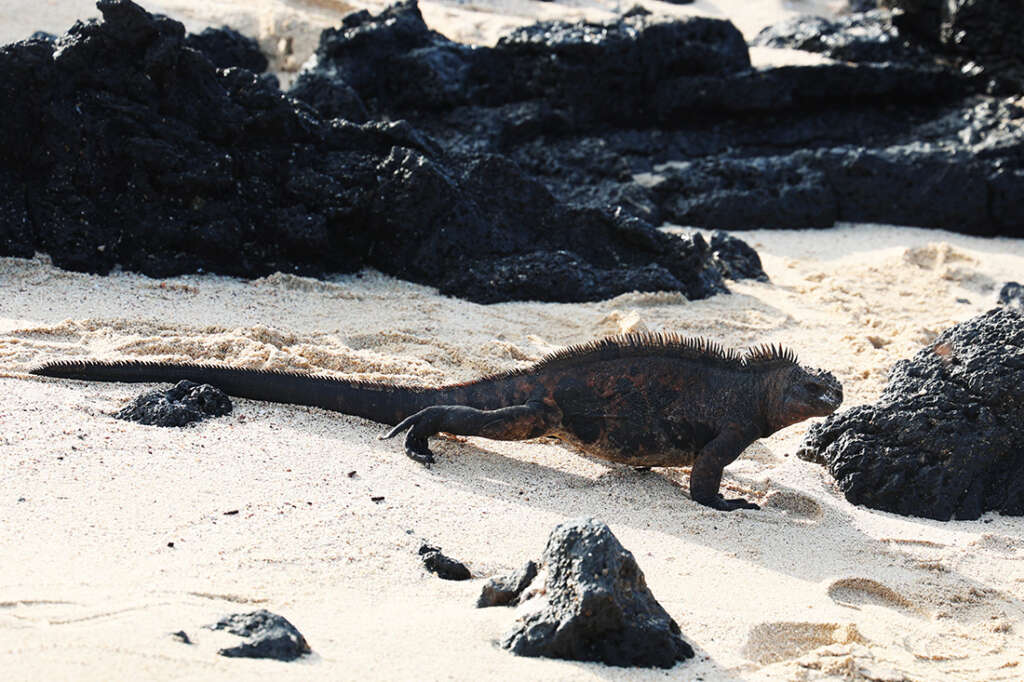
x: 806, y: 393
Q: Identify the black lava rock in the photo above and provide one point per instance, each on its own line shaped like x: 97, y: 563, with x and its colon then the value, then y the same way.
x: 636, y: 10
x: 184, y: 403
x: 664, y: 120
x: 862, y: 37
x: 918, y: 17
x: 815, y: 189
x: 505, y: 590
x: 568, y: 277
x: 127, y: 147
x: 332, y: 97
x: 226, y: 47
x: 769, y: 192
x: 597, y: 606
x: 944, y: 440
x: 735, y: 258
x: 1012, y: 294
x: 267, y: 634
x: 600, y: 72
x: 984, y: 34
x: 443, y: 566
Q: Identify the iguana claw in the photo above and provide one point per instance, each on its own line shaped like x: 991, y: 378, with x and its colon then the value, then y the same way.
x: 415, y: 441
x: 416, y: 449
x: 722, y: 504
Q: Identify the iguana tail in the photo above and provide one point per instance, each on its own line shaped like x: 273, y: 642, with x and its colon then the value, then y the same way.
x: 382, y: 403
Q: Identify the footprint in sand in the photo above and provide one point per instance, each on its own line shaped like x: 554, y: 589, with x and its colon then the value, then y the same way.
x: 31, y: 602
x: 774, y: 642
x: 761, y: 454
x: 233, y: 598
x: 951, y: 264
x: 856, y: 592
x: 1001, y: 544
x: 796, y: 505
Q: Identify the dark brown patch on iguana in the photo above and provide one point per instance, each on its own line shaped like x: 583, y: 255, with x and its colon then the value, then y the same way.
x: 641, y: 399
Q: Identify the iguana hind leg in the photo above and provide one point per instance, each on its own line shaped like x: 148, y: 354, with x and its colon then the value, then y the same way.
x: 706, y: 475
x: 518, y: 422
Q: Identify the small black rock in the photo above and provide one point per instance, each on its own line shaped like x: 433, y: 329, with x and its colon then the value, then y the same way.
x: 597, y: 605
x: 735, y: 258
x: 268, y: 636
x: 1012, y: 294
x: 636, y: 11
x: 505, y: 590
x: 442, y: 566
x: 186, y: 402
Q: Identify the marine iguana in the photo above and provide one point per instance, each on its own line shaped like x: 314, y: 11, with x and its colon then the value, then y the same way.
x: 638, y: 399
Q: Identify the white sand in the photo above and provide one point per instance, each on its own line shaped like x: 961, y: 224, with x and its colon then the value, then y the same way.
x: 810, y: 587
x: 89, y: 588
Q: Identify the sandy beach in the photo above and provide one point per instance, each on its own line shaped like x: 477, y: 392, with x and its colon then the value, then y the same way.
x: 116, y: 535
x: 810, y: 586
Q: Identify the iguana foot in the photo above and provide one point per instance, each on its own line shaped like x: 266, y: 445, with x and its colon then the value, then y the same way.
x: 420, y: 428
x: 721, y: 504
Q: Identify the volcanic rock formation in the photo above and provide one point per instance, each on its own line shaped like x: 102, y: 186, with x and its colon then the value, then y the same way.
x: 946, y: 438
x: 122, y: 146
x: 666, y: 119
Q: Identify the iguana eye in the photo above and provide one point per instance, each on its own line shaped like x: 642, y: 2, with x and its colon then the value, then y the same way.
x: 815, y: 389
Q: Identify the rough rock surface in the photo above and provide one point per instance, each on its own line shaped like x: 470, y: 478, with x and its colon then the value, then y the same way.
x: 945, y: 439
x: 267, y: 634
x: 122, y: 146
x: 595, y: 605
x: 184, y: 403
x: 441, y: 565
x: 862, y: 37
x: 226, y: 47
x: 686, y: 132
x: 505, y: 590
x: 985, y: 35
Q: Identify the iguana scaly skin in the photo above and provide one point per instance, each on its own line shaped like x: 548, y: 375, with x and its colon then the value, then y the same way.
x: 640, y: 399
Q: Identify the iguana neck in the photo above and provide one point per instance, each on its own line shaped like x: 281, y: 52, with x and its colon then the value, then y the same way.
x: 771, y: 392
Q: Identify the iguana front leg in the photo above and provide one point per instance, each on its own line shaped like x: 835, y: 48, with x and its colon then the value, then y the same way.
x: 518, y: 422
x: 706, y: 475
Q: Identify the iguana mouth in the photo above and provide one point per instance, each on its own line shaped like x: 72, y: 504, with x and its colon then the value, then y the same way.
x: 833, y: 399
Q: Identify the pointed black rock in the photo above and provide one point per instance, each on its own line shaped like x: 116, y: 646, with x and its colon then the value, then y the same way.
x: 595, y: 605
